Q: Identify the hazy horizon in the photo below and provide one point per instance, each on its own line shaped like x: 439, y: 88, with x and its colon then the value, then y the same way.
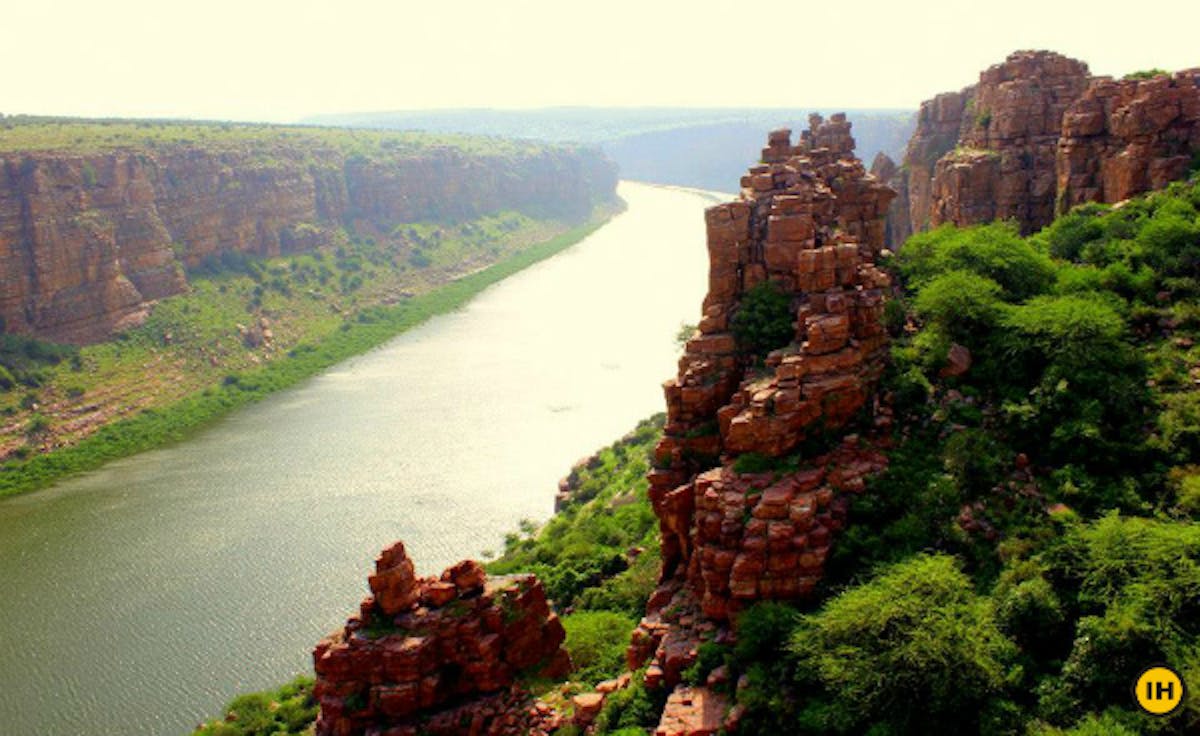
x: 275, y: 61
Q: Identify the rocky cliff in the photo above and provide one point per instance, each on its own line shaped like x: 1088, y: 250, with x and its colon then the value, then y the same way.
x: 439, y: 655
x: 750, y: 477
x: 1038, y: 134
x: 1125, y: 137
x: 89, y: 239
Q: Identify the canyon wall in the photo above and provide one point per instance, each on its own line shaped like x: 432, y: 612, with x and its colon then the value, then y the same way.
x: 1038, y: 134
x: 1125, y: 137
x: 87, y: 241
x: 751, y: 476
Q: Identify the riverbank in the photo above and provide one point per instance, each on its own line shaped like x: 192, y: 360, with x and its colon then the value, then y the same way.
x: 194, y: 361
x: 143, y: 595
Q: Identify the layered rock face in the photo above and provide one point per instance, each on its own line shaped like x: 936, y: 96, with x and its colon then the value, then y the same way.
x: 1037, y: 135
x: 87, y: 241
x: 432, y: 655
x: 885, y: 170
x: 1125, y: 137
x: 939, y: 124
x: 811, y: 220
x: 1003, y: 165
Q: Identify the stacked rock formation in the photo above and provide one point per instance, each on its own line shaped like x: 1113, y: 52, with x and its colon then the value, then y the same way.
x: 441, y: 652
x: 87, y: 241
x: 1125, y: 137
x: 1003, y: 166
x: 810, y: 219
x: 1038, y: 135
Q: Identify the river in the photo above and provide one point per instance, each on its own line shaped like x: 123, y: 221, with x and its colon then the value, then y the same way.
x: 139, y: 598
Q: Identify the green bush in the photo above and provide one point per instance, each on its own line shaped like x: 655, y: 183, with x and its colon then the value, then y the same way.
x: 1029, y: 611
x: 963, y: 305
x: 996, y: 251
x: 597, y: 641
x: 1066, y: 236
x: 763, y: 321
x: 913, y: 650
x: 626, y: 592
x: 763, y: 631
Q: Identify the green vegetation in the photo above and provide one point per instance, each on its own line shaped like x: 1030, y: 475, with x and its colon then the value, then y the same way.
x: 1003, y: 596
x: 763, y: 322
x: 288, y: 711
x: 582, y: 555
x: 79, y: 135
x: 920, y: 622
x: 597, y: 642
x: 1147, y: 74
x: 26, y: 361
x: 324, y: 308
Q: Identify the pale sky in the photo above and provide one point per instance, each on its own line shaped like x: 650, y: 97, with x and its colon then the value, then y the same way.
x: 280, y: 60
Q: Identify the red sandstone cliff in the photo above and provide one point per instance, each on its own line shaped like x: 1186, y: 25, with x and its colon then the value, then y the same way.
x: 87, y: 241
x: 1037, y: 135
x: 939, y: 123
x: 811, y: 220
x: 1125, y: 137
x: 1003, y: 165
x: 439, y: 655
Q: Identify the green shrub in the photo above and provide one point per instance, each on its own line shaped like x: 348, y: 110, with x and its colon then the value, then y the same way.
x: 1028, y: 609
x: 962, y: 304
x: 974, y: 459
x: 763, y: 630
x: 996, y: 251
x: 913, y: 650
x: 1076, y: 328
x: 1068, y: 234
x: 763, y: 321
x: 597, y: 641
x: 1170, y: 240
x: 625, y: 592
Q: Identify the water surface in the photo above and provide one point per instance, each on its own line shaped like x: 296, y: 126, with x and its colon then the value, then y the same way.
x: 139, y: 598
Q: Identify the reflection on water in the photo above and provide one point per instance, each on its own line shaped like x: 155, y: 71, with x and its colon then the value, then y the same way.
x: 139, y: 598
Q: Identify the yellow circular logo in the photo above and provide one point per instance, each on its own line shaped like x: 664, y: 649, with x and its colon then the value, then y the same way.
x: 1159, y: 690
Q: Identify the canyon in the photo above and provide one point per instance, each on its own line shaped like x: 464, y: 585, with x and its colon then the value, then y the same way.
x: 765, y: 446
x: 90, y: 238
x: 1037, y: 135
x: 810, y: 223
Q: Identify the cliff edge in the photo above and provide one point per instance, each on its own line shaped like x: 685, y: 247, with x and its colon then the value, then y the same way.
x: 90, y: 236
x: 1039, y: 134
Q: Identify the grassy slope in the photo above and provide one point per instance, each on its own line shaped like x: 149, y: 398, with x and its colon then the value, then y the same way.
x: 190, y: 364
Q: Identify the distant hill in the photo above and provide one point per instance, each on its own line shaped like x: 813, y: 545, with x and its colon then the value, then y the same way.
x: 705, y: 147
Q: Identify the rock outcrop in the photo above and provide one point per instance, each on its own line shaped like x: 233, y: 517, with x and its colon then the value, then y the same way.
x: 939, y: 124
x: 1038, y: 134
x: 87, y: 241
x: 749, y: 489
x: 439, y: 655
x: 885, y: 170
x: 1125, y: 137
